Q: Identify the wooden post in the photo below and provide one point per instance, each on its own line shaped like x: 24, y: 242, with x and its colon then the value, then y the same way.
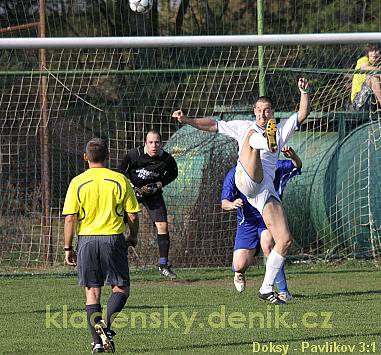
x: 44, y: 141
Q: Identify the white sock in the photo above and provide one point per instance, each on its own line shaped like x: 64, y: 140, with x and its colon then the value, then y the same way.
x: 273, y: 265
x: 257, y: 141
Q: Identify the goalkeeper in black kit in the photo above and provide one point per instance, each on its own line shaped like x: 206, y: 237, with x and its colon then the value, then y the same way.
x: 149, y: 169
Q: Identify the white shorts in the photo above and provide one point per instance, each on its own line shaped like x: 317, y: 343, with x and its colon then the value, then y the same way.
x: 257, y: 194
x: 244, y: 182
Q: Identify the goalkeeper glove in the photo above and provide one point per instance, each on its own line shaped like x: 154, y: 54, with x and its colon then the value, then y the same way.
x: 151, y: 189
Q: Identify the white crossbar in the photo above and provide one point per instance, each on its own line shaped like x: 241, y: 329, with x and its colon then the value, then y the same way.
x: 191, y: 41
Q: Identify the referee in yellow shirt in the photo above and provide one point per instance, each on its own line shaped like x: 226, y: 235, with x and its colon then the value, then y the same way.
x: 94, y: 207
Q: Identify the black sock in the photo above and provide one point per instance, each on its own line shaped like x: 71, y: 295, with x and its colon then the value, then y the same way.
x: 94, y: 315
x: 115, y: 304
x: 164, y: 242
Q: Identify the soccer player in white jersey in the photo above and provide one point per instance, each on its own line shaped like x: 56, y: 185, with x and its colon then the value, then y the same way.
x: 260, y: 142
x: 251, y: 230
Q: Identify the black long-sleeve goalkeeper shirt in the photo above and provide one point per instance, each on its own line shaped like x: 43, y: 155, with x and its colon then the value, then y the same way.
x: 143, y: 169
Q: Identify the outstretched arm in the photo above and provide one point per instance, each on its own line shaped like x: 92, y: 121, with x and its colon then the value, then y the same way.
x: 290, y: 153
x: 204, y: 123
x: 304, y: 104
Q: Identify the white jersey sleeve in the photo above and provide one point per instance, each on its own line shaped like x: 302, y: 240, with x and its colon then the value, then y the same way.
x: 286, y: 128
x: 236, y: 129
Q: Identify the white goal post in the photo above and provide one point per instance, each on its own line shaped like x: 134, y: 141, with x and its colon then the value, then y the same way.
x: 191, y: 41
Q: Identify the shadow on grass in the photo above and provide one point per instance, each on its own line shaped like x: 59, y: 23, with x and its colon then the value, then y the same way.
x: 325, y: 272
x: 337, y: 294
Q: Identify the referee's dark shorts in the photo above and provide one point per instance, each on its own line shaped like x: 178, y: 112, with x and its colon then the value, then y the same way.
x: 102, y: 260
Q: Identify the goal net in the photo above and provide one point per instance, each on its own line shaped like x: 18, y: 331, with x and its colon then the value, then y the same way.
x: 52, y: 102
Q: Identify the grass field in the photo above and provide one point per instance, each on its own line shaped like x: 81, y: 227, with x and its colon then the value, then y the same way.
x: 336, y: 310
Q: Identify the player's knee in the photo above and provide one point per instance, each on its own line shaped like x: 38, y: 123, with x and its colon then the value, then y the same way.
x: 373, y: 82
x: 248, y: 136
x: 121, y: 289
x: 162, y: 227
x: 240, y: 265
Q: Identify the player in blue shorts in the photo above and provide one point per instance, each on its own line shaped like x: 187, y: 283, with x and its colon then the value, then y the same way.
x: 251, y: 229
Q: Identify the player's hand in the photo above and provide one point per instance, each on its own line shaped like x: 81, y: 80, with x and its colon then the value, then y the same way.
x: 70, y: 257
x: 288, y: 152
x: 237, y: 203
x: 151, y: 189
x: 304, y: 86
x: 179, y: 115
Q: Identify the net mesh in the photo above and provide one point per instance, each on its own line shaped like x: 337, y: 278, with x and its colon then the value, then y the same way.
x: 50, y: 109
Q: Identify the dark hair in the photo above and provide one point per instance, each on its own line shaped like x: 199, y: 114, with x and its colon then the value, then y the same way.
x: 153, y: 131
x: 372, y: 47
x: 264, y: 99
x: 96, y: 150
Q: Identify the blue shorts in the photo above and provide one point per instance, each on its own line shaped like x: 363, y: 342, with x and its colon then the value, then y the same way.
x: 248, y: 235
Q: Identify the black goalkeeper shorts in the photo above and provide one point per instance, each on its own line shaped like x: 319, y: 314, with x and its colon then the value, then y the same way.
x: 102, y: 260
x: 156, y: 208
